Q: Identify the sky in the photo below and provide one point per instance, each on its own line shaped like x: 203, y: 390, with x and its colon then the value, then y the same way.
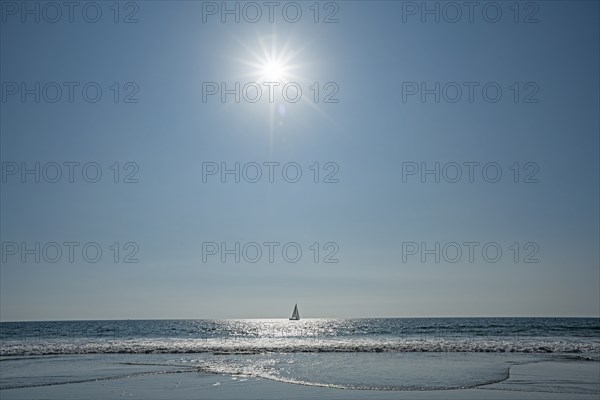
x: 423, y: 168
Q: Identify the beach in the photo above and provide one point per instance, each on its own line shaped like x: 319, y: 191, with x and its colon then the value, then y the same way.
x: 361, y: 199
x: 565, y: 379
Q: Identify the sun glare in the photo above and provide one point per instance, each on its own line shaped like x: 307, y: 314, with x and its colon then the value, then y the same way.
x: 271, y: 63
x: 273, y: 71
x: 280, y: 72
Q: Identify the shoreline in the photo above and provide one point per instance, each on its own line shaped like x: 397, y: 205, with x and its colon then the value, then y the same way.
x: 549, y: 378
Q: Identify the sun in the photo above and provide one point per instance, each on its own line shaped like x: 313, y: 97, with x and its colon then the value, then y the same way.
x: 271, y: 65
x: 275, y: 67
x: 270, y: 62
x: 273, y: 71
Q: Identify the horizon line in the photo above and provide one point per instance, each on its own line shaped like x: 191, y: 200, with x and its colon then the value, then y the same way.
x: 287, y: 318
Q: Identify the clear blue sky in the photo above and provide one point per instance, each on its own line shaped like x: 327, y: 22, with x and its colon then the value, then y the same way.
x: 370, y: 54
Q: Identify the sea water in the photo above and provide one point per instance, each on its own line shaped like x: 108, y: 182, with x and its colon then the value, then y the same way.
x: 361, y: 354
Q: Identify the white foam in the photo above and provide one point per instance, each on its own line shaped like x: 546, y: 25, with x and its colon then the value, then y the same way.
x: 291, y: 345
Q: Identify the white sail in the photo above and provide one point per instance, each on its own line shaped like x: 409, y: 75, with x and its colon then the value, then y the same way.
x: 295, y: 314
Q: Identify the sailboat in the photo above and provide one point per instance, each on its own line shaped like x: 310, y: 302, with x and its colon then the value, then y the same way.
x: 295, y: 315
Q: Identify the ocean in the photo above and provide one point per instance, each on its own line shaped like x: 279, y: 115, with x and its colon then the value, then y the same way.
x: 398, y: 354
x: 521, y: 335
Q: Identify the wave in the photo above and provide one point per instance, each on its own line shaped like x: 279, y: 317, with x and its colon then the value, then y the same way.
x: 296, y: 345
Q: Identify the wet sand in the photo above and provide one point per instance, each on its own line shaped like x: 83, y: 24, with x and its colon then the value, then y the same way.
x: 575, y: 379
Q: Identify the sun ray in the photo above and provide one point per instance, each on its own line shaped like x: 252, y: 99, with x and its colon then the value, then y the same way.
x: 271, y: 59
